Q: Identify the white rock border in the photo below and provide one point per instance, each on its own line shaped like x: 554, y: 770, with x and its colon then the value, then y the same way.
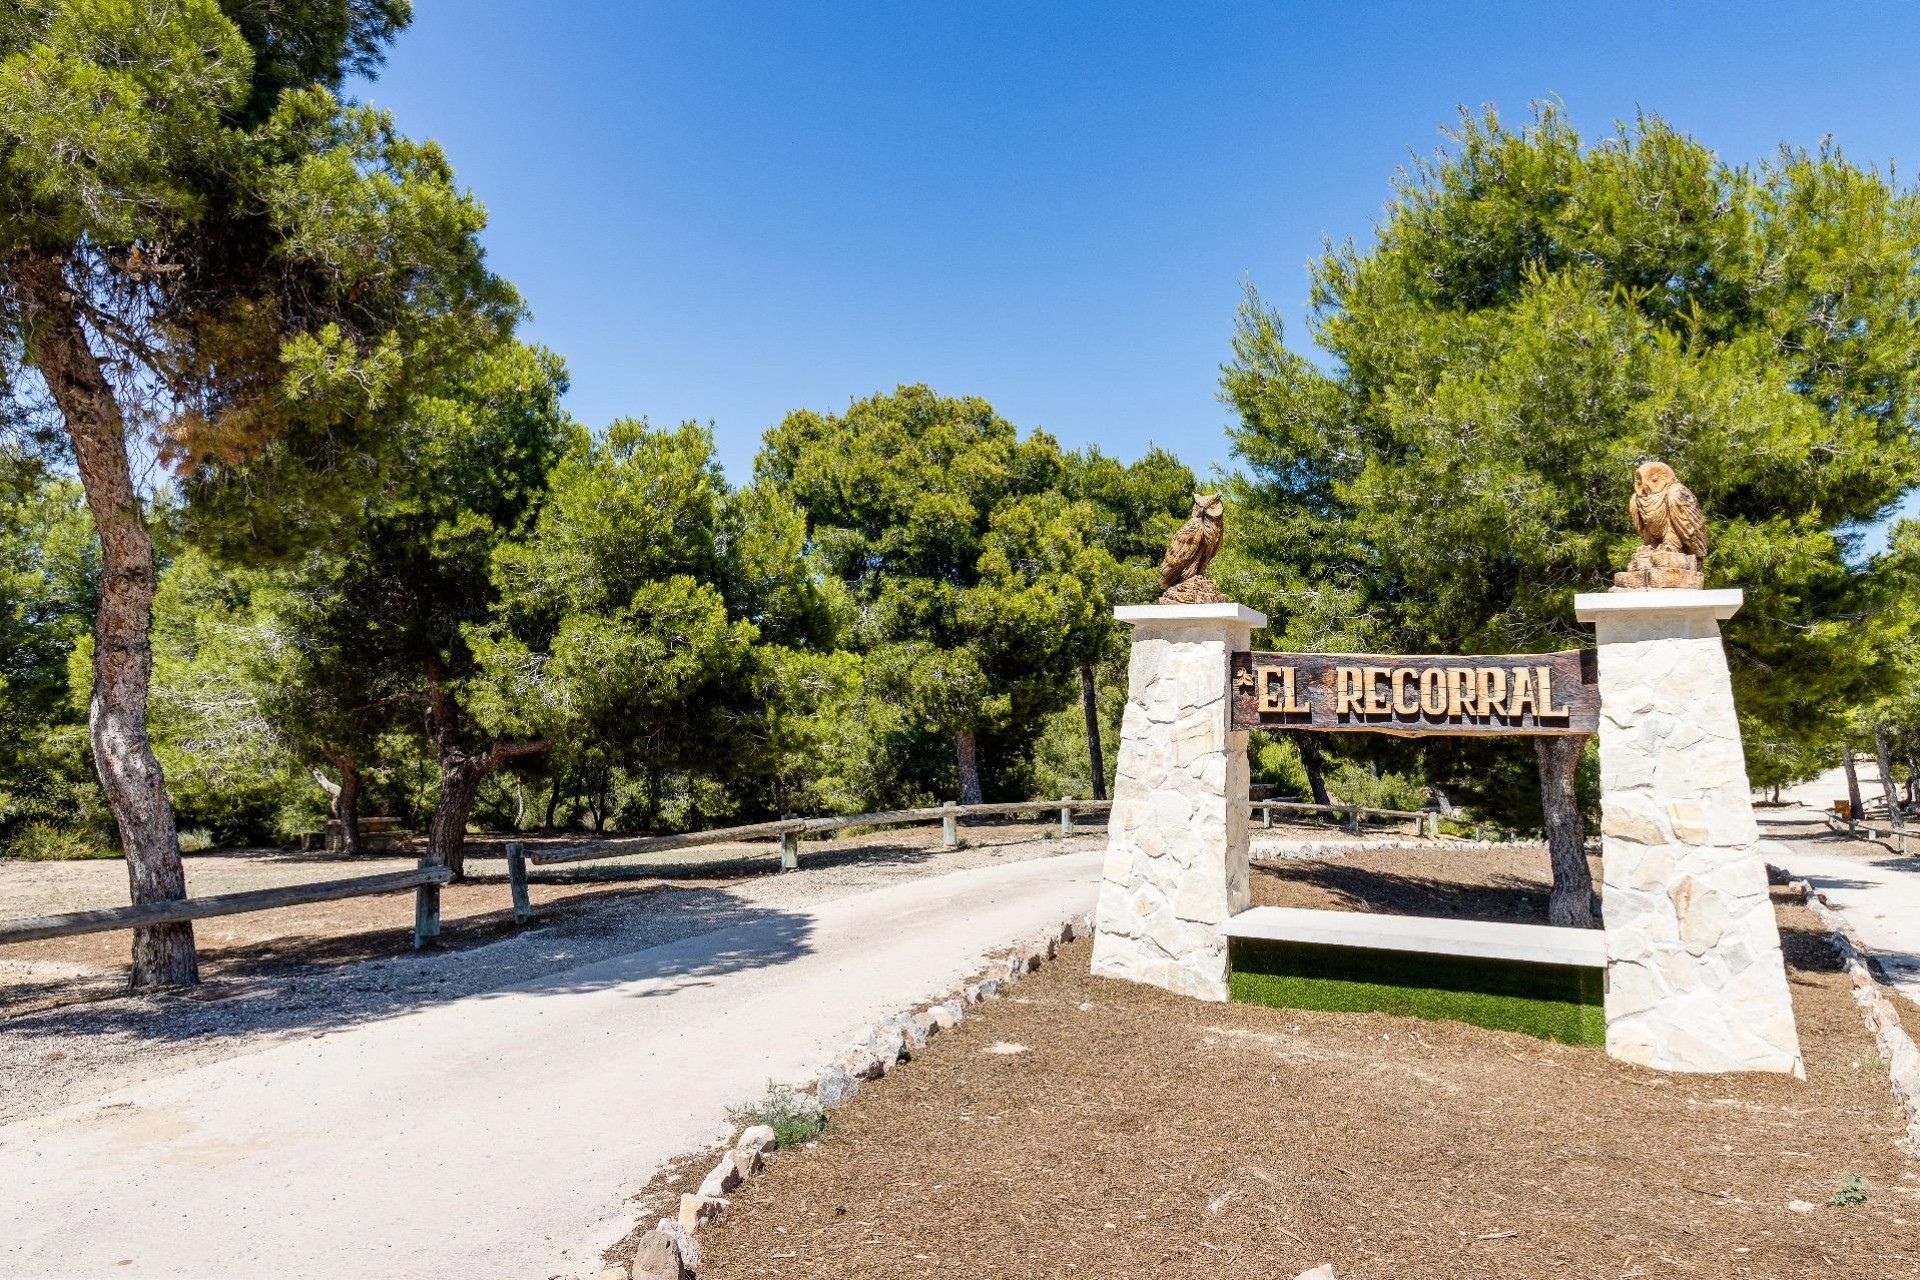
x: 1880, y: 1014
x: 891, y: 1040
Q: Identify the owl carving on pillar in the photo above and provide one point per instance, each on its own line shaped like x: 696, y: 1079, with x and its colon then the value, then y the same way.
x: 1672, y: 529
x: 1183, y: 573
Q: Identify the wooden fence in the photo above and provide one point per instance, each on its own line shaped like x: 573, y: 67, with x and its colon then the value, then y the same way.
x: 427, y: 878
x: 789, y: 830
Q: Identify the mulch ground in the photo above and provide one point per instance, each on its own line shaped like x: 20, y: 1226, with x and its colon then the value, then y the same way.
x: 1089, y: 1127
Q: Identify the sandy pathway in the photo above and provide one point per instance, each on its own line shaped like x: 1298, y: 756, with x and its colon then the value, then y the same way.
x: 501, y: 1134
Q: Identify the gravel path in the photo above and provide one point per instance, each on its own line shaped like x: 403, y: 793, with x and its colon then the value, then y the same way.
x: 51, y: 1057
x: 505, y: 1134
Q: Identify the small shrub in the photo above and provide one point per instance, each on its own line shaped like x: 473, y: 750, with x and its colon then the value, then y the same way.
x: 793, y: 1117
x: 196, y: 840
x: 1873, y: 1064
x: 1853, y: 1190
x: 45, y: 842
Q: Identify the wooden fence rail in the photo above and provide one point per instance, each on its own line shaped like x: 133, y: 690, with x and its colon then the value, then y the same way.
x: 1858, y: 825
x: 424, y: 880
x: 1428, y: 821
x: 790, y: 829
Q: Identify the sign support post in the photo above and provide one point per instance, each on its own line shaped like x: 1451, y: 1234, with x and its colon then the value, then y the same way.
x: 1176, y: 866
x: 1696, y: 980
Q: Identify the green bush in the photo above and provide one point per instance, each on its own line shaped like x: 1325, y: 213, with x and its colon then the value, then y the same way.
x: 195, y: 840
x: 45, y: 842
x: 1355, y: 783
x: 794, y: 1117
x: 1275, y: 760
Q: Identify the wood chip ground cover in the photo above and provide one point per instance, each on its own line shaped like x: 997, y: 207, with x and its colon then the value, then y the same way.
x: 1142, y: 1134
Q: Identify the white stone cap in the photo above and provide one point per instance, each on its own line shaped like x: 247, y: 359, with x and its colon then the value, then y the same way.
x: 1722, y: 602
x: 1190, y: 613
x: 1434, y: 935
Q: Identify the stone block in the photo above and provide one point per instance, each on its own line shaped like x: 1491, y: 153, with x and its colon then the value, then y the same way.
x: 657, y: 1257
x: 697, y: 1210
x: 723, y: 1178
x: 834, y: 1086
x: 1697, y: 981
x: 757, y: 1137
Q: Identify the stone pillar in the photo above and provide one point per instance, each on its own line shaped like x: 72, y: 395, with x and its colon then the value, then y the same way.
x: 1695, y: 977
x: 1177, y: 839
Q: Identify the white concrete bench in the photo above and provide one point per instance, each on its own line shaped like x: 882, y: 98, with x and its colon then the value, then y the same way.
x: 1432, y: 935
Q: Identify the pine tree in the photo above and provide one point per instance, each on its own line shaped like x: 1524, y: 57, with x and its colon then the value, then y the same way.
x: 202, y: 246
x: 1535, y: 317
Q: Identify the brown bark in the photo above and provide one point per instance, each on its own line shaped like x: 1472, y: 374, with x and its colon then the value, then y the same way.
x: 1570, y: 904
x: 461, y: 773
x: 1894, y: 817
x: 1312, y: 762
x: 1090, y: 707
x: 163, y: 955
x: 964, y: 748
x: 1853, y: 788
x: 346, y: 802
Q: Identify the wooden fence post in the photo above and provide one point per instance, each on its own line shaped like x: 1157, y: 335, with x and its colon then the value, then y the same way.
x: 789, y: 850
x: 1266, y: 816
x: 949, y: 829
x: 1066, y: 815
x: 426, y: 910
x: 517, y: 877
x: 1353, y: 821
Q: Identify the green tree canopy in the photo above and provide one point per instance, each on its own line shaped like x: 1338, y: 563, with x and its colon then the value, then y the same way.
x: 974, y: 578
x: 1535, y: 317
x: 410, y: 608
x: 48, y: 574
x: 656, y: 591
x: 204, y: 247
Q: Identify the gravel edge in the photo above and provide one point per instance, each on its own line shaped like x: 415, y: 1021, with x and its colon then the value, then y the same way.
x: 670, y: 1251
x: 1880, y: 1014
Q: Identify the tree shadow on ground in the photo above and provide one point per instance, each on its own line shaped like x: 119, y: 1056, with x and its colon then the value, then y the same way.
x: 316, y: 984
x: 1503, y: 899
x: 1810, y: 951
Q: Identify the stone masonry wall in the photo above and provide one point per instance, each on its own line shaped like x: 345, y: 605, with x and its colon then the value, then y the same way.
x: 1176, y: 864
x: 1696, y: 980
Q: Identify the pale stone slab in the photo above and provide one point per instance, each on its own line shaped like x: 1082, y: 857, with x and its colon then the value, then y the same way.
x: 1430, y: 935
x: 1696, y: 980
x: 1176, y: 866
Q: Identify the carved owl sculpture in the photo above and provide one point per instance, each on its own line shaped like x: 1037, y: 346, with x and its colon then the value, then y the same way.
x: 1194, y: 545
x: 1665, y: 512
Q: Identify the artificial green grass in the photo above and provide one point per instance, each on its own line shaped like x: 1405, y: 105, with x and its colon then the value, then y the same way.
x: 1549, y: 1001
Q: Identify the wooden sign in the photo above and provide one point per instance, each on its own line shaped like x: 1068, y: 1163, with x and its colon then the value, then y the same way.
x: 1380, y: 693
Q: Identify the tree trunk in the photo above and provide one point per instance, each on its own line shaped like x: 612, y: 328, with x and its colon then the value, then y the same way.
x: 1853, y: 788
x: 1090, y: 706
x: 447, y: 829
x: 1894, y: 817
x: 163, y: 955
x: 346, y: 805
x: 553, y: 796
x: 461, y: 773
x: 1571, y: 902
x: 327, y: 785
x: 1311, y: 760
x: 346, y: 799
x: 963, y: 751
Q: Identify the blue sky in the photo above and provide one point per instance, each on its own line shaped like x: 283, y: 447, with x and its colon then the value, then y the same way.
x: 726, y: 211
